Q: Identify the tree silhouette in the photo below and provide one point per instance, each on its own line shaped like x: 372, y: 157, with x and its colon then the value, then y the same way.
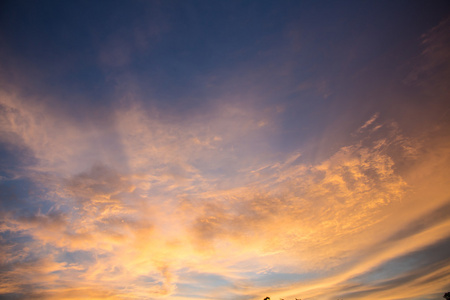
x: 267, y: 298
x: 447, y: 296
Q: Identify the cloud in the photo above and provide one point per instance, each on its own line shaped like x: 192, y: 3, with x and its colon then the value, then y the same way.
x: 308, y: 209
x: 164, y: 212
x: 369, y: 122
x: 122, y: 212
x: 153, y: 202
x: 433, y: 64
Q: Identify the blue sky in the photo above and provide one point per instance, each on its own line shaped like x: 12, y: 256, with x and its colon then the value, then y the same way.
x: 224, y: 149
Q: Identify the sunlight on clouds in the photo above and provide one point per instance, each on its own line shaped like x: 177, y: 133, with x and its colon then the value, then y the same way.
x: 130, y: 221
x: 225, y: 197
x: 138, y: 227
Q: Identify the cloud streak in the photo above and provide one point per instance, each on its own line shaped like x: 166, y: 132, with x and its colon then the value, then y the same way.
x: 137, y: 229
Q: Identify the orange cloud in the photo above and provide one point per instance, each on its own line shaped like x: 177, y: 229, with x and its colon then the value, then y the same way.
x: 184, y: 199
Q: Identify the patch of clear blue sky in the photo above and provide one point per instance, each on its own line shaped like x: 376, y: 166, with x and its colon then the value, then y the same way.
x: 407, y: 267
x: 194, y: 39
x: 75, y: 257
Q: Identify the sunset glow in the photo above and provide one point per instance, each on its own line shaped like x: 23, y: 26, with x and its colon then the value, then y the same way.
x: 224, y: 149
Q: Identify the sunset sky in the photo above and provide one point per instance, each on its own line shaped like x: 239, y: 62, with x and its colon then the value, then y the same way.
x: 224, y: 149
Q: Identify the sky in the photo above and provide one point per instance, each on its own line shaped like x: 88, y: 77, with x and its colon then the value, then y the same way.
x: 224, y: 149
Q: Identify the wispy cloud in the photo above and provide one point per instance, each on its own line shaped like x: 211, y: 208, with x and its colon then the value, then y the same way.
x: 142, y: 221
